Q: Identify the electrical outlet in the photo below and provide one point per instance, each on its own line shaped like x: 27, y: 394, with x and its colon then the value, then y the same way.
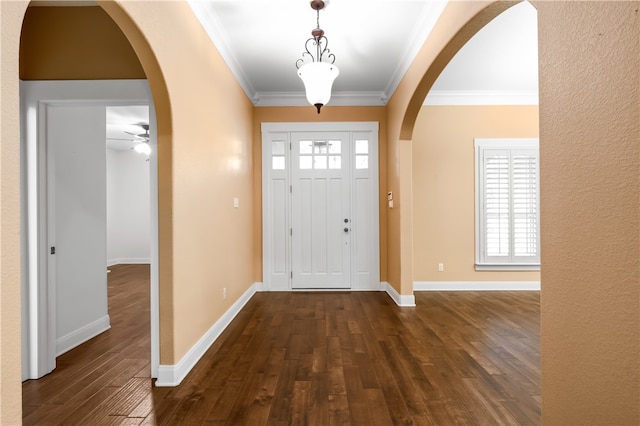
x: 224, y: 293
x: 440, y: 267
x: 236, y: 202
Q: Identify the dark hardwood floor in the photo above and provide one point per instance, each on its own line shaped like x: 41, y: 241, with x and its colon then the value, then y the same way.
x: 310, y: 359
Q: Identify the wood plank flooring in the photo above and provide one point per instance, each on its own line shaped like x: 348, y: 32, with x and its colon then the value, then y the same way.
x: 310, y: 359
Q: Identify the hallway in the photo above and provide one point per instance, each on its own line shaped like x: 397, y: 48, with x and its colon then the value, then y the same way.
x: 106, y: 378
x: 310, y: 358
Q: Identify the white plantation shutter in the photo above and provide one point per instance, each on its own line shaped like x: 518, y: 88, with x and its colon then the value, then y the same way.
x: 524, y: 169
x: 507, y: 208
x: 496, y: 202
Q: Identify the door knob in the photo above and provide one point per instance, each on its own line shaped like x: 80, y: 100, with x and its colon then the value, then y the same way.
x: 346, y: 220
x: 346, y: 229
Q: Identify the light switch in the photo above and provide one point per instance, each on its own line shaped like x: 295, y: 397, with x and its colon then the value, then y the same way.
x: 236, y: 202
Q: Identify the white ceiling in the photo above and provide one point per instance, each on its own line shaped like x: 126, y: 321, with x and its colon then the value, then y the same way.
x: 374, y: 42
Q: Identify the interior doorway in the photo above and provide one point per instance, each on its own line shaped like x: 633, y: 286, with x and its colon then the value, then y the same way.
x: 47, y: 106
x: 128, y: 185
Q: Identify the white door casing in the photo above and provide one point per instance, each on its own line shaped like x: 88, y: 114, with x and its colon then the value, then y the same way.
x: 38, y: 301
x: 314, y: 177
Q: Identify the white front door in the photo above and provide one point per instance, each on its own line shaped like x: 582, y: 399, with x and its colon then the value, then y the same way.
x: 320, y: 206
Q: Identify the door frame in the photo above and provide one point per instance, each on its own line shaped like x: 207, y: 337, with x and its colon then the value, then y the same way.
x: 285, y: 129
x: 38, y: 300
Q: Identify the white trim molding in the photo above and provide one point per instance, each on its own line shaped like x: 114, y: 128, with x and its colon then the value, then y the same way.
x: 38, y: 321
x: 82, y: 334
x: 269, y: 99
x: 481, y: 97
x: 128, y: 261
x: 476, y: 286
x: 172, y: 375
x: 215, y: 30
x: 402, y: 300
x: 212, y: 26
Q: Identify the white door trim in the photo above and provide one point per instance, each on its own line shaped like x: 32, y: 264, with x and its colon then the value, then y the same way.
x: 282, y: 131
x: 38, y: 341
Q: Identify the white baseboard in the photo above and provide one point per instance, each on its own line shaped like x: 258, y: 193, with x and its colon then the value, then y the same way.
x: 82, y: 334
x: 128, y: 260
x: 172, y: 375
x: 476, y: 286
x: 402, y: 300
x: 371, y: 287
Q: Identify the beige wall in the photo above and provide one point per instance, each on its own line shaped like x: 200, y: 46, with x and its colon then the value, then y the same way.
x: 444, y: 186
x: 590, y: 170
x: 204, y: 162
x: 309, y: 114
x: 589, y: 117
x: 11, y: 14
x: 459, y: 21
x: 205, y: 243
x: 75, y: 43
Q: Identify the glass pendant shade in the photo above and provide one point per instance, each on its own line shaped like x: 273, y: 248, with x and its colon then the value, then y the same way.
x: 318, y: 79
x: 142, y: 148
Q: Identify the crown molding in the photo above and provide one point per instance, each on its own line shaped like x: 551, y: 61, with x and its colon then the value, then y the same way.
x: 429, y: 17
x: 269, y: 99
x: 482, y: 97
x: 213, y: 28
x: 431, y: 14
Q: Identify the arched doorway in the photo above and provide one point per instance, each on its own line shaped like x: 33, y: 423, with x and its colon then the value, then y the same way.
x: 94, y: 48
x: 487, y: 94
x: 579, y: 309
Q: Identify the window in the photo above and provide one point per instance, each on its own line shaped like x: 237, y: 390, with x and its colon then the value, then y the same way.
x: 507, y: 204
x: 278, y: 155
x: 362, y: 154
x: 320, y: 154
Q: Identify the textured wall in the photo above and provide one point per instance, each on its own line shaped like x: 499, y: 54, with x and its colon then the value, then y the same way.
x: 589, y: 144
x: 444, y: 187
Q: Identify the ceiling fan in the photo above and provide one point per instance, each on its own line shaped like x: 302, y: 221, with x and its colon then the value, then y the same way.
x: 144, y: 135
x: 142, y: 146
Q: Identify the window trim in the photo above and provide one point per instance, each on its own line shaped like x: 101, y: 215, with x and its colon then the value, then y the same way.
x: 480, y: 144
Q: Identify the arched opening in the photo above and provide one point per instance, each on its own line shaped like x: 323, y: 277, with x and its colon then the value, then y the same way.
x: 487, y: 95
x: 212, y: 117
x: 585, y: 101
x: 457, y: 199
x: 86, y: 44
x: 475, y: 22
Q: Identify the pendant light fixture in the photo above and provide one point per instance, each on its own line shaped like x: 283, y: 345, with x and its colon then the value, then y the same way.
x: 317, y: 71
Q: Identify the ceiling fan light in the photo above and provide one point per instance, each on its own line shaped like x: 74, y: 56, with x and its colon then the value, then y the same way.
x: 318, y: 78
x: 142, y: 148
